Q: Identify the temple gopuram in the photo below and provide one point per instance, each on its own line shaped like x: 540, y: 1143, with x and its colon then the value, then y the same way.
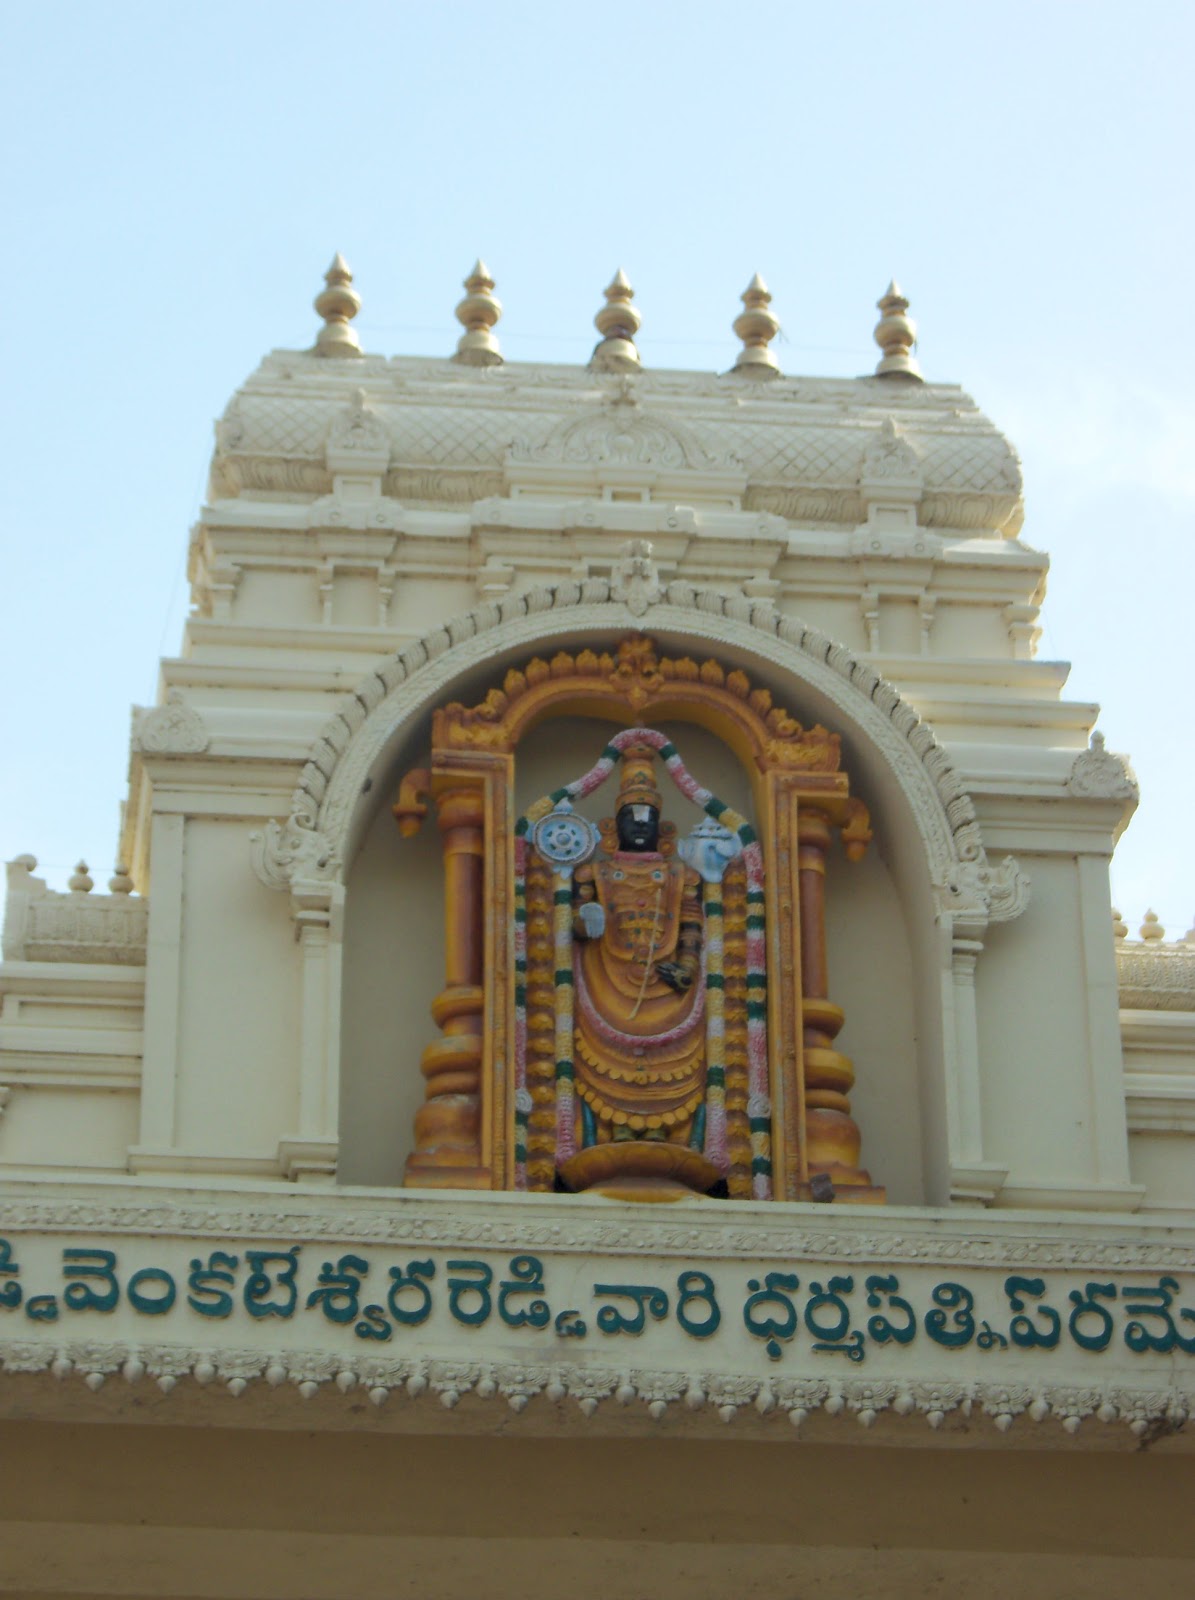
x: 606, y: 1062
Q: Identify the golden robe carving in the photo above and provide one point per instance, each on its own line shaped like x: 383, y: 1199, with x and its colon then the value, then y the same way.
x: 640, y: 1040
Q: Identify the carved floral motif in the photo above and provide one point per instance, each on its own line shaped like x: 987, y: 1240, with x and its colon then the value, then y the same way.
x: 173, y: 729
x: 1099, y: 774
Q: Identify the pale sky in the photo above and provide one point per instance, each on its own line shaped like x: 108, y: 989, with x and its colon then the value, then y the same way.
x: 177, y: 176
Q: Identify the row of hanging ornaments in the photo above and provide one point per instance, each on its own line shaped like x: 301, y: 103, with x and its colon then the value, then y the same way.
x: 618, y: 322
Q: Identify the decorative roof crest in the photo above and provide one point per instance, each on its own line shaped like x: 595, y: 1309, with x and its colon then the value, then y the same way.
x: 618, y: 322
x: 338, y: 304
x: 478, y: 313
x: 896, y: 334
x: 756, y: 326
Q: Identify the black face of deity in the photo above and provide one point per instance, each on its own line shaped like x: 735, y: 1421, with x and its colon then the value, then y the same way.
x: 638, y: 828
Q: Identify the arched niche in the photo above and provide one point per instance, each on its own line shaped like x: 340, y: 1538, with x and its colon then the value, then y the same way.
x: 930, y: 883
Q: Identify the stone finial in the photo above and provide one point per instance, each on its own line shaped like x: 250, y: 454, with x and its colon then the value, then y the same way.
x: 756, y: 326
x: 81, y: 881
x: 1189, y: 936
x: 1151, y: 929
x: 120, y: 882
x: 895, y: 333
x: 1120, y: 928
x: 477, y: 313
x: 338, y: 304
x: 618, y: 323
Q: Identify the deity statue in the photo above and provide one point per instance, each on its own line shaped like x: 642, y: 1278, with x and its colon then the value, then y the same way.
x: 640, y: 1037
x: 640, y: 1045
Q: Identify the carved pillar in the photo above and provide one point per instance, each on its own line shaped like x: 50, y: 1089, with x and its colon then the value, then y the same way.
x: 972, y: 1179
x: 311, y: 1152
x: 447, y: 1150
x: 832, y: 1139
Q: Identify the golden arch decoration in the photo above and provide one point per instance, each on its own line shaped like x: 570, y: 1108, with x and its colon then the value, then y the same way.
x: 466, y: 1129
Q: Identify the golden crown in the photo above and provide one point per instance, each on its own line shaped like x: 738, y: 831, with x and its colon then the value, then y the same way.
x: 637, y: 778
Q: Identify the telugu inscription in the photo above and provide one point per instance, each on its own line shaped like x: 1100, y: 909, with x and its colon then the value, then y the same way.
x: 376, y: 1299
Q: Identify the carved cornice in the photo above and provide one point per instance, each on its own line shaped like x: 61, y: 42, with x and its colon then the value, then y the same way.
x: 1147, y: 1411
x: 572, y: 1225
x: 329, y: 788
x: 1156, y: 977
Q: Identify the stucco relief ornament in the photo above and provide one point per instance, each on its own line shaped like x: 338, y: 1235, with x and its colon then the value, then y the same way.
x: 1099, y: 774
x: 285, y: 854
x: 173, y: 729
x: 358, y: 429
x: 621, y: 433
x: 889, y: 456
x: 635, y: 578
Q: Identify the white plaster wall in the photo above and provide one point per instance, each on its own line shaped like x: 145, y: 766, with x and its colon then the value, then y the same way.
x: 355, y: 600
x: 871, y: 978
x: 969, y: 630
x: 277, y: 598
x: 900, y: 627
x: 418, y: 604
x: 1044, y: 1060
x: 238, y: 1032
x: 838, y: 618
x: 1162, y: 1162
x: 393, y: 969
x: 72, y: 1128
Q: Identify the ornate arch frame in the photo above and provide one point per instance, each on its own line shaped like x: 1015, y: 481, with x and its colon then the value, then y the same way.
x: 946, y: 877
x: 800, y: 793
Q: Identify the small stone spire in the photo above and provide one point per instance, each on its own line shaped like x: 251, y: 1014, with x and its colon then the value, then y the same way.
x: 120, y: 882
x: 338, y: 304
x: 477, y: 314
x: 1120, y: 928
x: 756, y: 326
x: 895, y: 333
x: 618, y: 323
x: 1151, y: 929
x: 81, y: 881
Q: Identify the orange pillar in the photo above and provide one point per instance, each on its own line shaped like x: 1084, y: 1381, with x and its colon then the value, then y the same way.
x: 832, y: 1139
x: 447, y: 1150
